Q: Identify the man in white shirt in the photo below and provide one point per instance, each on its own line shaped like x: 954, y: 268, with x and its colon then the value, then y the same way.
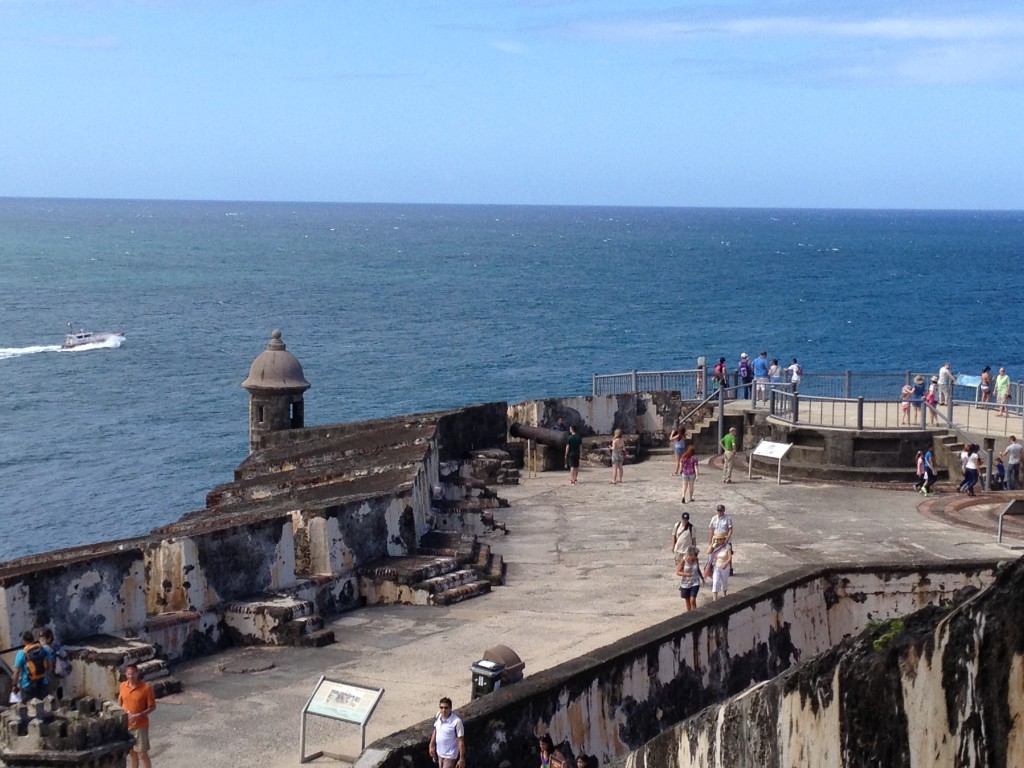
x: 448, y: 739
x: 1012, y: 456
x: 946, y: 381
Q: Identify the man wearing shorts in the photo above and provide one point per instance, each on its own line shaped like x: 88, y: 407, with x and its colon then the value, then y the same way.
x: 137, y: 699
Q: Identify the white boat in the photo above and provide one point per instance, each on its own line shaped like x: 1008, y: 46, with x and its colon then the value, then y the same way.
x: 80, y: 337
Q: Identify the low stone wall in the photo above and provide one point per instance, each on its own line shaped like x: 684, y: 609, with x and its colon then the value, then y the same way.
x: 943, y: 687
x: 616, y: 699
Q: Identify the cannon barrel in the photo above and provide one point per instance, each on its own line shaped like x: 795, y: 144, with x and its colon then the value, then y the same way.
x: 544, y: 436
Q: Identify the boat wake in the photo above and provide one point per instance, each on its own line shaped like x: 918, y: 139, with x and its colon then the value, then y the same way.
x: 112, y: 342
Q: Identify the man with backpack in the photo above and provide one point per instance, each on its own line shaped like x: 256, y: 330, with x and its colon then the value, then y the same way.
x: 32, y: 666
x: 746, y: 373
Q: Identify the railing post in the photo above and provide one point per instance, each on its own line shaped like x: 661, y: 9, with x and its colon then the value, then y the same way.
x: 771, y: 400
x: 796, y: 407
x: 924, y: 415
x: 661, y: 382
x: 593, y: 385
x: 847, y: 387
x: 721, y: 417
x: 634, y: 389
x: 860, y: 412
x: 949, y: 408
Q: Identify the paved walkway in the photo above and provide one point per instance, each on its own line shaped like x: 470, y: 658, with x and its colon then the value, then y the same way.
x: 587, y: 565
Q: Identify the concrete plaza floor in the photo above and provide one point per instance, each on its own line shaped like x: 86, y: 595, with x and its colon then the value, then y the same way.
x: 587, y: 565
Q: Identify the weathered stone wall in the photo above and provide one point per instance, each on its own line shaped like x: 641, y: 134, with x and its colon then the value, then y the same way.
x: 616, y: 699
x: 649, y: 414
x: 944, y: 686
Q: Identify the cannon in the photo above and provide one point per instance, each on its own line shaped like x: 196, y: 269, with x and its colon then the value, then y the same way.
x: 541, y: 435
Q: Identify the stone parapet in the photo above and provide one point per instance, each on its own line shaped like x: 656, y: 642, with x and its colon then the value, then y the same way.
x: 87, y: 732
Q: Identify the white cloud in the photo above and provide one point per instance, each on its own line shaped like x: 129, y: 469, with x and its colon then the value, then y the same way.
x: 517, y: 49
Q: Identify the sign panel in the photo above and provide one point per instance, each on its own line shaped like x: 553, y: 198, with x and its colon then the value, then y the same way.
x: 772, y: 450
x: 343, y: 701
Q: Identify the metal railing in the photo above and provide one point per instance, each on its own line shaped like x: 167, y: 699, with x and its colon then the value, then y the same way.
x: 695, y: 383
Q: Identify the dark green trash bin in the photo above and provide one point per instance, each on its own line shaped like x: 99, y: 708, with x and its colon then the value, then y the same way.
x: 486, y: 677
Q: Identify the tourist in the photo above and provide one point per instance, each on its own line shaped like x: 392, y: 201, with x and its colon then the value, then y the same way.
x: 690, y: 464
x: 905, y: 395
x: 971, y: 465
x: 796, y: 372
x: 1002, y: 388
x: 582, y: 761
x: 59, y: 659
x: 690, y: 577
x: 999, y: 476
x: 761, y: 367
x: 929, y: 470
x: 720, y: 374
x: 720, y: 529
x: 618, y: 456
x: 917, y: 397
x: 32, y: 667
x: 921, y: 477
x: 965, y: 452
x: 1012, y: 454
x: 931, y: 397
x: 136, y: 698
x: 560, y: 425
x: 775, y: 372
x: 985, y: 386
x: 573, y: 449
x: 720, y: 564
x: 745, y: 372
x: 678, y: 440
x: 683, y: 537
x: 946, y: 381
x: 448, y: 738
x: 546, y: 747
x: 729, y: 453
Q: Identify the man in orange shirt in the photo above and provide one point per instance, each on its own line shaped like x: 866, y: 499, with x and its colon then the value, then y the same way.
x: 136, y: 698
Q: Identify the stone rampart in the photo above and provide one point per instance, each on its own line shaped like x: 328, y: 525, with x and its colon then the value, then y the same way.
x: 616, y: 699
x: 650, y: 414
x: 303, y: 513
x: 942, y: 687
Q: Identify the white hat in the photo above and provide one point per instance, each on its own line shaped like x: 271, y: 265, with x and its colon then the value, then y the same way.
x: 743, y: 354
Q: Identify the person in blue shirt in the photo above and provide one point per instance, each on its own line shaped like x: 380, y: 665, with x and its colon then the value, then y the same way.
x: 32, y: 666
x: 761, y: 377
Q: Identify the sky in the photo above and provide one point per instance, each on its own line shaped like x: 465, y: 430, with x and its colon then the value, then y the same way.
x: 772, y: 103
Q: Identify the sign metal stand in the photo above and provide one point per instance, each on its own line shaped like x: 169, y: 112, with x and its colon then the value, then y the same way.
x: 337, y: 700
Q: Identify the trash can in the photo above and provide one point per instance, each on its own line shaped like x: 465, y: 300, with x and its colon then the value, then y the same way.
x: 486, y: 677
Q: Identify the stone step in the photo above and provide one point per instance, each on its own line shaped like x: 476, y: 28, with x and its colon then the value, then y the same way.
x: 496, y: 570
x: 271, y: 620
x: 317, y: 639
x: 165, y: 686
x: 153, y: 669
x: 461, y: 592
x: 447, y: 581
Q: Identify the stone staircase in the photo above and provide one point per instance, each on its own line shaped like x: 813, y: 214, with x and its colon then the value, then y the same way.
x: 97, y: 662
x: 450, y: 567
x: 276, y: 619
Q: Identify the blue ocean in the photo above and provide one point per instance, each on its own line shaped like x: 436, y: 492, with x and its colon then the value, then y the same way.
x: 403, y: 308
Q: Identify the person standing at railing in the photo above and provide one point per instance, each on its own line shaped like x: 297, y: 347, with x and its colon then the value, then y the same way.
x: 946, y: 381
x: 905, y: 394
x: 917, y: 397
x: 745, y: 371
x: 1002, y: 391
x: 720, y: 374
x: 1012, y: 454
x: 760, y: 366
x: 775, y: 372
x: 985, y: 387
x: 931, y: 397
x: 796, y: 373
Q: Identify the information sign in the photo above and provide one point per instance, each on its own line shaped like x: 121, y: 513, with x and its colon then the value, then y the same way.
x: 770, y: 450
x: 338, y: 700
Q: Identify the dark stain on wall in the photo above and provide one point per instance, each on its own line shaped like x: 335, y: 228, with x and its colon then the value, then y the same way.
x: 237, y: 560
